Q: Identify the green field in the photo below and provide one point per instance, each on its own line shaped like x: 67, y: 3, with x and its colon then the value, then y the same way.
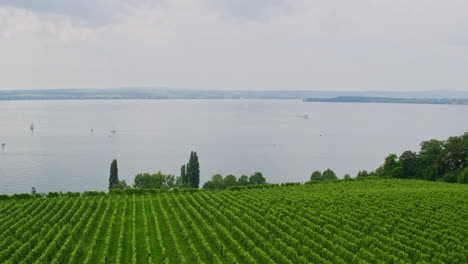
x: 367, y: 221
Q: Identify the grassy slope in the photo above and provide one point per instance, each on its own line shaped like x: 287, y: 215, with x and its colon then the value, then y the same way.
x: 372, y: 221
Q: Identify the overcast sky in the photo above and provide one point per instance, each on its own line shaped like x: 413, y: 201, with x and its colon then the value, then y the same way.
x: 235, y: 44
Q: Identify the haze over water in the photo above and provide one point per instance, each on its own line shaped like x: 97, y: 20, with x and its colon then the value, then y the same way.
x: 72, y: 145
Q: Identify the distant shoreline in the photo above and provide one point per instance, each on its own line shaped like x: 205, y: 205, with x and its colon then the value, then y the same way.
x: 389, y: 100
x: 418, y: 97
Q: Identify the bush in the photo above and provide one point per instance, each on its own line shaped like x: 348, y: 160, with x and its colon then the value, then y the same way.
x: 290, y: 183
x: 4, y: 197
x: 93, y: 193
x: 53, y: 194
x: 71, y: 194
x: 19, y: 196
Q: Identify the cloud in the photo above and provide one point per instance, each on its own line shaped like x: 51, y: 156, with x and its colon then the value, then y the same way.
x: 92, y: 12
x: 246, y: 10
x: 284, y: 44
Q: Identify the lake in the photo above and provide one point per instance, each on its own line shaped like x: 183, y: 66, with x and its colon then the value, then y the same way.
x: 72, y: 145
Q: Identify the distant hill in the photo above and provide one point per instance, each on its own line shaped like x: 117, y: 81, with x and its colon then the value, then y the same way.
x: 363, y: 99
x: 166, y: 93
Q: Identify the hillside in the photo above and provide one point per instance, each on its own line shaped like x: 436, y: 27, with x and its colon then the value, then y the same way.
x: 366, y: 221
x: 168, y: 93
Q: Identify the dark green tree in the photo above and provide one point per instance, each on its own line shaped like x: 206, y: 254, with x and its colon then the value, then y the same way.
x: 229, y: 180
x: 243, y: 180
x: 183, y: 175
x: 328, y: 174
x: 257, y: 178
x: 193, y: 171
x: 391, y: 162
x: 121, y: 185
x: 154, y: 181
x: 362, y: 173
x: 316, y: 176
x: 114, y: 174
x: 410, y: 165
x: 454, y: 156
x: 217, y: 182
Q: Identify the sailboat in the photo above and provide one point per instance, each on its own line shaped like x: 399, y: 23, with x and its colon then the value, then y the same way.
x: 3, y: 146
x: 32, y: 127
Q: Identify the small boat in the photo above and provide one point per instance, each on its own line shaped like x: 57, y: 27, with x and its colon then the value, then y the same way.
x: 3, y: 145
x: 306, y: 116
x: 113, y: 131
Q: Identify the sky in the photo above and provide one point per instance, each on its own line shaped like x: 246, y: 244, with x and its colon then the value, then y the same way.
x: 235, y: 44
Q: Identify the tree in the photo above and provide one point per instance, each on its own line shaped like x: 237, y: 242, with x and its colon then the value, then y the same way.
x: 429, y: 156
x: 362, y: 173
x: 328, y: 174
x: 257, y: 178
x: 410, y: 164
x: 193, y: 171
x: 243, y: 180
x: 154, y: 181
x: 216, y: 182
x: 347, y: 176
x: 229, y: 180
x: 183, y: 175
x: 120, y: 185
x: 390, y: 164
x: 463, y: 176
x: 316, y: 176
x: 114, y: 174
x: 454, y: 156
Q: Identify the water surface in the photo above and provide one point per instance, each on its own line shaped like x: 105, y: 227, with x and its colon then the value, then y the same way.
x: 72, y: 145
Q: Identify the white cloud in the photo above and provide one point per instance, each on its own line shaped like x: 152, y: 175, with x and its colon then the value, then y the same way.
x: 295, y: 44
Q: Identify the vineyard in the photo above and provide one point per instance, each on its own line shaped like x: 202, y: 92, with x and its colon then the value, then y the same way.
x: 368, y: 221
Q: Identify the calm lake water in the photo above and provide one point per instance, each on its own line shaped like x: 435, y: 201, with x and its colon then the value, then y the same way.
x: 230, y: 136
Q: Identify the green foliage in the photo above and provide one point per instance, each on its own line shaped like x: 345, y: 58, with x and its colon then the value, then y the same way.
x: 362, y: 173
x: 328, y: 174
x: 183, y: 176
x: 190, y: 173
x: 217, y: 181
x: 229, y: 180
x: 257, y: 178
x: 20, y: 196
x: 436, y: 160
x: 243, y: 180
x: 114, y: 174
x: 316, y: 176
x: 53, y: 194
x: 120, y: 185
x: 411, y: 165
x: 154, y: 181
x: 71, y: 194
x: 358, y: 221
x: 93, y: 193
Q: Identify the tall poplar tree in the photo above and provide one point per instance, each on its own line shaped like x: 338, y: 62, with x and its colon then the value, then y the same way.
x: 183, y: 175
x: 192, y: 171
x: 195, y: 179
x: 114, y: 174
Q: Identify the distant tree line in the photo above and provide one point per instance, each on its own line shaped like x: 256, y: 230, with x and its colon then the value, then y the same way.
x: 189, y: 177
x: 437, y: 160
x: 328, y: 174
x: 218, y: 182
